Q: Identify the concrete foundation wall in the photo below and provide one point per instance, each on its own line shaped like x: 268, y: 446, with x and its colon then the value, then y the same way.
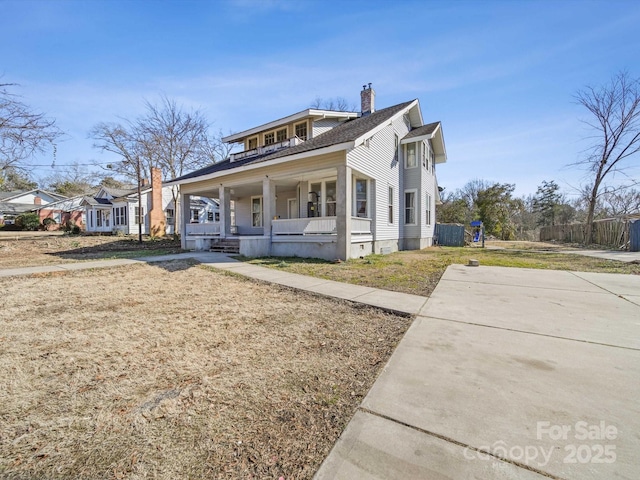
x: 416, y: 243
x: 386, y: 246
x: 361, y: 249
x: 324, y: 250
x: 255, y: 247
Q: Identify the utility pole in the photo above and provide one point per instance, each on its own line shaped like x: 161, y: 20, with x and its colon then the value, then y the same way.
x: 140, y: 216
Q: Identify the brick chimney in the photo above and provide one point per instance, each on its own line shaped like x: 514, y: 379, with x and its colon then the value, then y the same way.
x: 37, y: 201
x: 367, y: 99
x: 157, y: 220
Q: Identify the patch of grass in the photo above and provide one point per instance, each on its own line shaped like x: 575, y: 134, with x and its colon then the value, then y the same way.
x: 418, y: 272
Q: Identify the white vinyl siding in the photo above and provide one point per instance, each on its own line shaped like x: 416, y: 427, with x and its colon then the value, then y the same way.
x: 376, y: 161
x: 324, y: 125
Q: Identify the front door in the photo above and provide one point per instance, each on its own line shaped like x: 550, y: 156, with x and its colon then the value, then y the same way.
x: 292, y: 208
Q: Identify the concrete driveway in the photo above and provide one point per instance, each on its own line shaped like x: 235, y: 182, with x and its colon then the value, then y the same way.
x: 506, y: 373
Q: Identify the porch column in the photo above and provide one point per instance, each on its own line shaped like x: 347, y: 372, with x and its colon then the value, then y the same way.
x: 304, y: 199
x: 224, y: 197
x: 184, y: 218
x: 268, y: 204
x: 343, y: 212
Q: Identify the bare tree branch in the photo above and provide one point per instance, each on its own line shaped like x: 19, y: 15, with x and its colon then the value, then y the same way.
x: 23, y: 132
x: 615, y: 110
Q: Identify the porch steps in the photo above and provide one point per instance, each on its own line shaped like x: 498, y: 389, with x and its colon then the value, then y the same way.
x: 225, y: 245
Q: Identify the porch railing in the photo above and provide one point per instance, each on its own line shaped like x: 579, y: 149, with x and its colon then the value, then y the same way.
x: 208, y: 228
x: 317, y: 226
x: 304, y: 226
x: 360, y: 226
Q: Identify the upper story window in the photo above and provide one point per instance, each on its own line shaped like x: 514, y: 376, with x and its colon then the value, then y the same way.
x: 281, y: 135
x: 427, y: 156
x: 269, y: 138
x: 411, y: 161
x: 301, y: 130
x: 252, y: 143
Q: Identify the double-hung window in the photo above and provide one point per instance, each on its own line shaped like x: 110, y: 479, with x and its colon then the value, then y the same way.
x: 427, y: 209
x: 139, y: 214
x: 120, y: 216
x: 410, y: 207
x: 170, y: 216
x: 256, y: 212
x: 361, y: 198
x: 390, y: 205
x: 301, y: 130
x: 411, y: 160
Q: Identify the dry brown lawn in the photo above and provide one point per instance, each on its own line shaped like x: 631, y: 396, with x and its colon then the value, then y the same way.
x: 177, y: 371
x: 75, y: 248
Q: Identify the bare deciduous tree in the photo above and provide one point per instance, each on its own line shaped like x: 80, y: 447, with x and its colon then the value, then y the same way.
x: 166, y: 137
x: 615, y: 121
x: 338, y: 104
x: 23, y: 132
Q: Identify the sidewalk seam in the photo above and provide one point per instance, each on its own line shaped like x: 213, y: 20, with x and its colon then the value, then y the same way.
x: 460, y: 444
x: 534, y: 333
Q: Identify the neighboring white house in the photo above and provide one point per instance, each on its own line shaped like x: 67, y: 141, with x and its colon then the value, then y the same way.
x: 117, y: 210
x: 325, y: 184
x: 16, y: 203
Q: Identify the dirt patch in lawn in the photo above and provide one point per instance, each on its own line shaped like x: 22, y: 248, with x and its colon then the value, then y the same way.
x: 76, y: 248
x: 176, y: 371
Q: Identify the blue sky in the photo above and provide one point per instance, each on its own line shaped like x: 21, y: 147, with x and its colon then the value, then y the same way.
x: 500, y: 75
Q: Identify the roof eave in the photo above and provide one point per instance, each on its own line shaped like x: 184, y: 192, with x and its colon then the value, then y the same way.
x: 276, y: 161
x: 309, y: 112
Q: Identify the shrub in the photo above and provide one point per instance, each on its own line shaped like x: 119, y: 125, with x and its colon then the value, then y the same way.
x: 71, y: 227
x: 28, y: 221
x: 48, y: 222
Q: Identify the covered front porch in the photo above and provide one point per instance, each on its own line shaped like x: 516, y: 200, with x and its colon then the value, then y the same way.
x: 324, y: 213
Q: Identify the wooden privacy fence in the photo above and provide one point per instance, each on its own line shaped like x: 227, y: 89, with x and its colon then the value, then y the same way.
x: 450, y: 234
x: 611, y: 233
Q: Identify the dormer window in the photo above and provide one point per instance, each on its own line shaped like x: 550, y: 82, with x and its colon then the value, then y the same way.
x: 301, y: 130
x: 281, y: 135
x: 269, y: 138
x: 252, y: 143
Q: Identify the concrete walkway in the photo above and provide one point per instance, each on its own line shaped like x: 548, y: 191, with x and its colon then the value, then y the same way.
x: 403, y: 303
x: 506, y: 373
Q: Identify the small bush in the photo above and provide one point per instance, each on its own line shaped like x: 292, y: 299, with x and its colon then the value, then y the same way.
x: 28, y: 221
x: 71, y: 227
x: 48, y: 222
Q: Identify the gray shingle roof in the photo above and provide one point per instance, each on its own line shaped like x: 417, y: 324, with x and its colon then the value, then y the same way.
x: 347, y: 132
x: 424, y: 130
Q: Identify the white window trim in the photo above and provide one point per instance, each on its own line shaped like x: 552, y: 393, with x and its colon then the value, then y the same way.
x: 390, y: 205
x: 354, y: 206
x: 261, y: 212
x: 416, y: 213
x: 428, y: 208
x: 415, y: 156
x: 306, y: 124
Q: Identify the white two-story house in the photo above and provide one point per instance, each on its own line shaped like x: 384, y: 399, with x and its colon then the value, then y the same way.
x: 325, y: 184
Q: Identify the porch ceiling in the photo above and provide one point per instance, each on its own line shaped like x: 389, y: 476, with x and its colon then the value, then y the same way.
x: 283, y: 182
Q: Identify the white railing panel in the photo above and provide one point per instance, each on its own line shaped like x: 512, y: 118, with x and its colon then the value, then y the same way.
x: 360, y: 225
x: 304, y: 226
x: 208, y: 228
